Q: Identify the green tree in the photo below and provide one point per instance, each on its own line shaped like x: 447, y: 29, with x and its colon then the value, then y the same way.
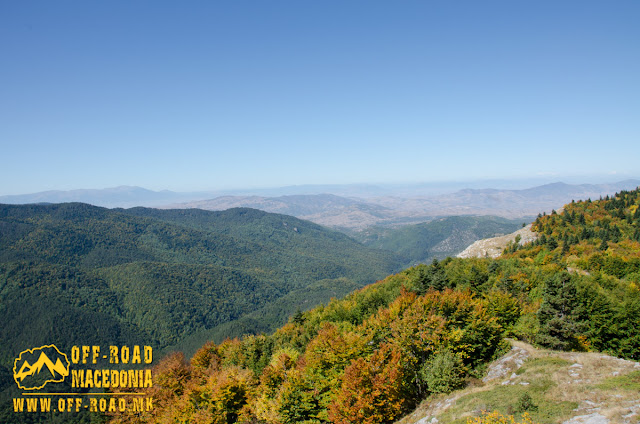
x: 557, y: 314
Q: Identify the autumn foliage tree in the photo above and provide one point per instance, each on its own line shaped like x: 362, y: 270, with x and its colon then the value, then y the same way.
x: 373, y: 390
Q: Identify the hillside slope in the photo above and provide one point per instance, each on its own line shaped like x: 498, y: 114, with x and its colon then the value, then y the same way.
x: 563, y: 387
x: 158, y: 276
x: 375, y: 355
x: 421, y: 243
x: 494, y: 246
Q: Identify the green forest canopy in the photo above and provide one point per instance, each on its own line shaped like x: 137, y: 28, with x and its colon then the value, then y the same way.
x: 75, y: 274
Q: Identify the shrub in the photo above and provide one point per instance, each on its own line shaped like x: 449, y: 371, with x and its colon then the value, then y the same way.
x: 443, y: 373
x: 525, y: 403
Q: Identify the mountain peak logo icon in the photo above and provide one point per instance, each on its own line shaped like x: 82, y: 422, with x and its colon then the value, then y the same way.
x: 34, y: 368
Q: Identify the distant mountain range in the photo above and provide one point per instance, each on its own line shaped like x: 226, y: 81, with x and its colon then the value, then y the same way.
x: 324, y: 209
x: 116, y: 197
x: 350, y: 207
x: 356, y: 214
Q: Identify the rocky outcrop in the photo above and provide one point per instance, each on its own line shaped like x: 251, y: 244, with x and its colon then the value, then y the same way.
x: 575, y: 377
x: 493, y: 247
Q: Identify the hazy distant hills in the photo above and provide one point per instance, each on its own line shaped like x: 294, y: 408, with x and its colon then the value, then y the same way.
x: 122, y: 196
x: 325, y: 209
x: 295, y: 205
x: 356, y: 214
x: 349, y: 207
x: 505, y: 203
x: 323, y: 202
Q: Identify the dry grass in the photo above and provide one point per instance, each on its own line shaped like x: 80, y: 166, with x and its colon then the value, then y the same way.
x: 562, y: 384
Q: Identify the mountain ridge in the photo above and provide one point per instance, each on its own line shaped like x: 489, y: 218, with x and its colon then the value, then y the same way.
x: 356, y: 214
x: 351, y: 207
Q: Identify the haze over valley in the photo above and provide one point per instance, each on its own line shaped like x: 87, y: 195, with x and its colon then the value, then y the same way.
x: 351, y: 208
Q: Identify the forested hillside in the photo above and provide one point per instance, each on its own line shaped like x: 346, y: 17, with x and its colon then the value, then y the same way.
x: 75, y: 274
x: 421, y: 243
x: 372, y: 356
x: 159, y: 275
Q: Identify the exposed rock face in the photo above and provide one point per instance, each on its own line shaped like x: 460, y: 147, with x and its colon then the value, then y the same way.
x: 493, y: 247
x: 594, y: 418
x: 507, y: 364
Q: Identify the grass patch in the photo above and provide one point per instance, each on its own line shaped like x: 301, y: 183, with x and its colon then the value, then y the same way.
x: 629, y: 381
x: 542, y: 366
x: 508, y: 399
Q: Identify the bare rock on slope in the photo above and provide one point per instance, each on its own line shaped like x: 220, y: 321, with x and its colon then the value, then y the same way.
x: 493, y: 247
x: 507, y: 364
x: 594, y: 418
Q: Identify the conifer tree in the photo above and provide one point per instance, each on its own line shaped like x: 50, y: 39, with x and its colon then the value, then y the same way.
x: 581, y: 219
x: 557, y: 314
x: 604, y: 245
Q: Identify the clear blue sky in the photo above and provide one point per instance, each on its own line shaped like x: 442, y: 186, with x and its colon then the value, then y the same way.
x: 211, y: 94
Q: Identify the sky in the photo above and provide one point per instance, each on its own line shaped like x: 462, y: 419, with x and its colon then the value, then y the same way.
x: 204, y: 95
